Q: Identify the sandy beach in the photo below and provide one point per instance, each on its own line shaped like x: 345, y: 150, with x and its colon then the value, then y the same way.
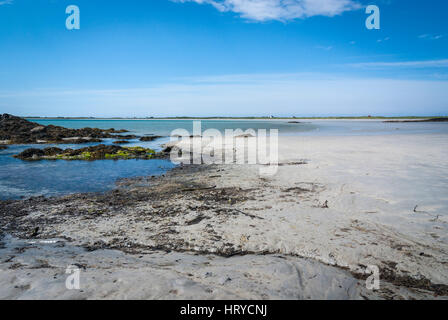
x: 205, y: 150
x: 335, y: 206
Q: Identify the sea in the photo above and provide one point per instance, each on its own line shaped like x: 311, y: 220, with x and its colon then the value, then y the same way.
x: 23, y: 179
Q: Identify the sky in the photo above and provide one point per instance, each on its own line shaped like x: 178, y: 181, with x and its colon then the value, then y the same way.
x: 223, y: 58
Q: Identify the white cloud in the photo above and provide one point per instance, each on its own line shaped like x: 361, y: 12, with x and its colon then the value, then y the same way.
x: 411, y: 64
x: 431, y: 37
x: 282, y: 10
x: 382, y: 40
x: 5, y: 2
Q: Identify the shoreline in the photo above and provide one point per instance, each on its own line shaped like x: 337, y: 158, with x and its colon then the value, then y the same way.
x: 230, y: 211
x: 239, y: 119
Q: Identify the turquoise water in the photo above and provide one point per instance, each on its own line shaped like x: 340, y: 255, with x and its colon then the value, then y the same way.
x: 22, y: 179
x: 165, y: 127
x: 306, y: 127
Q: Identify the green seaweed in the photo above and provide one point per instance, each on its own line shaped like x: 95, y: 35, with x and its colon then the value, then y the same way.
x: 86, y: 155
x: 120, y: 155
x: 137, y: 149
x: 124, y: 153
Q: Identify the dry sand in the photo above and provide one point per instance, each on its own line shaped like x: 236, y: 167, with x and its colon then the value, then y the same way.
x: 336, y: 205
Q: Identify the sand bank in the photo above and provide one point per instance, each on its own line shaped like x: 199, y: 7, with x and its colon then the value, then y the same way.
x: 346, y: 202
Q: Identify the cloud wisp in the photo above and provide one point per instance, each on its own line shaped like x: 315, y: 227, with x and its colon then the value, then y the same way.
x: 431, y: 37
x: 281, y: 10
x: 405, y: 64
x: 383, y: 40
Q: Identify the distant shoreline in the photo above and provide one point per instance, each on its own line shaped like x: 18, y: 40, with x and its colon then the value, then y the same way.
x: 240, y: 118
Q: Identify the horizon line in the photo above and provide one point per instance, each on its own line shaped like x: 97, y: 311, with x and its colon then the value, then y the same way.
x: 233, y: 117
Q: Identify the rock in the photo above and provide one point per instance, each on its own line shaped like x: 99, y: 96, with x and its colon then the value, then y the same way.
x: 112, y: 130
x: 16, y: 130
x: 52, y: 151
x: 437, y: 120
x: 77, y: 140
x: 34, y: 233
x: 247, y: 135
x: 38, y: 129
x: 99, y: 152
x: 168, y: 149
x: 425, y: 120
x: 224, y: 280
x: 126, y: 137
x: 149, y: 138
x: 30, y: 154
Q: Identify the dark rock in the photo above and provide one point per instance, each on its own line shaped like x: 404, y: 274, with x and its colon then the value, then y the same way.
x: 126, y: 137
x: 112, y: 130
x: 425, y: 120
x: 20, y: 131
x: 149, y: 138
x: 81, y: 141
x: 167, y: 149
x: 30, y: 154
x: 246, y: 135
x: 34, y: 233
x: 52, y: 151
x: 437, y: 120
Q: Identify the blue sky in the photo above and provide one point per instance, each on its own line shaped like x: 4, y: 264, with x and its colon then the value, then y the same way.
x: 223, y: 57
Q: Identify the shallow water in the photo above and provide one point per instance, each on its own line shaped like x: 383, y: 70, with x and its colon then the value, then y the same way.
x: 305, y: 127
x: 24, y: 179
x: 165, y: 127
x: 363, y: 127
x: 33, y: 178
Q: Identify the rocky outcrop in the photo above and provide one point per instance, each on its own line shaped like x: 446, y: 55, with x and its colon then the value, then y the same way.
x: 149, y: 138
x: 126, y: 137
x: 112, y: 130
x: 99, y: 152
x: 425, y: 120
x: 16, y: 130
